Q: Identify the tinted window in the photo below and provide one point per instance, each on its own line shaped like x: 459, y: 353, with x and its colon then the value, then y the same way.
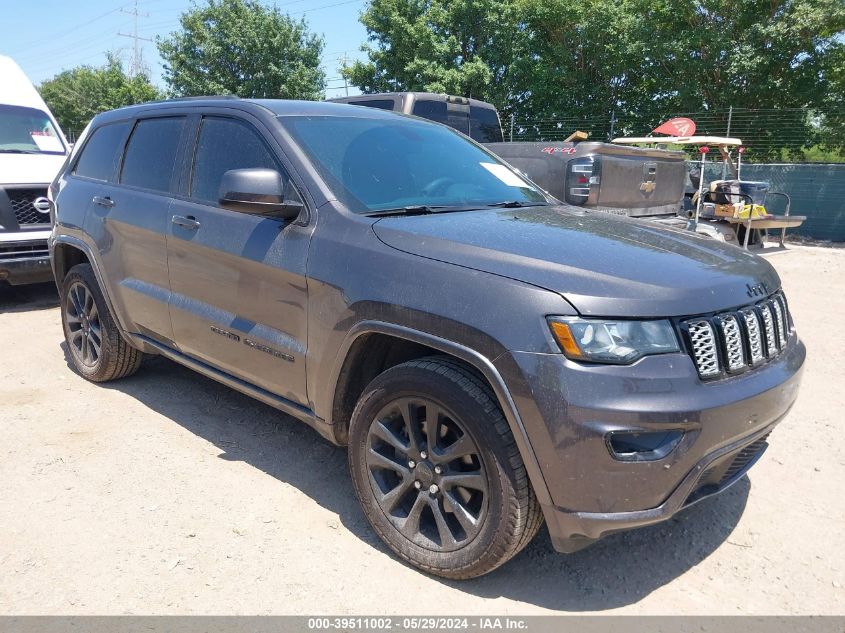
x: 226, y: 144
x: 381, y: 104
x: 384, y: 163
x: 454, y: 115
x: 151, y: 153
x: 431, y: 110
x: 484, y: 125
x: 99, y: 155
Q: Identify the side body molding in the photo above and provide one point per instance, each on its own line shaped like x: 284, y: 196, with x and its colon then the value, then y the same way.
x: 476, y: 360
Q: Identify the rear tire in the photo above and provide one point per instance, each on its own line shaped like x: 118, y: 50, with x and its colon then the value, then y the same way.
x: 95, y: 346
x: 458, y: 505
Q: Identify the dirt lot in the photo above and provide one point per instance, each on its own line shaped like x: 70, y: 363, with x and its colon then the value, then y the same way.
x: 168, y: 493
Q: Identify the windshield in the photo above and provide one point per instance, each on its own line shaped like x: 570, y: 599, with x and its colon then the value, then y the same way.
x: 378, y: 164
x: 28, y: 131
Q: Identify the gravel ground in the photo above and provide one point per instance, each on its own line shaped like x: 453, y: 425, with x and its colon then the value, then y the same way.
x: 167, y: 493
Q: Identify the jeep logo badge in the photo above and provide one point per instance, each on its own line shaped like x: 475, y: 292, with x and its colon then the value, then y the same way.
x: 42, y: 205
x: 756, y: 290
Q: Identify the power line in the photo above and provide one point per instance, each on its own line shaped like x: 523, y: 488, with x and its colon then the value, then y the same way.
x: 67, y: 31
x: 136, y: 67
x: 328, y: 6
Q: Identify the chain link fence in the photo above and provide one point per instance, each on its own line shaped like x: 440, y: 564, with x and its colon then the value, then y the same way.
x: 799, y: 152
x: 769, y: 135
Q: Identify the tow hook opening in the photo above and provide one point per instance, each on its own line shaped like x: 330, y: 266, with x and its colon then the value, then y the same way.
x: 642, y: 446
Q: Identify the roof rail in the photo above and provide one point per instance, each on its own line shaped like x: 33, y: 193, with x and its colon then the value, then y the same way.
x: 201, y: 98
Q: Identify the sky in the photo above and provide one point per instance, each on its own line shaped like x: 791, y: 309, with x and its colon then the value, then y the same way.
x: 47, y: 36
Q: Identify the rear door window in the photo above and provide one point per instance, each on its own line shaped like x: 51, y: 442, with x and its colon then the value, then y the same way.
x: 151, y: 154
x: 226, y: 144
x: 99, y: 156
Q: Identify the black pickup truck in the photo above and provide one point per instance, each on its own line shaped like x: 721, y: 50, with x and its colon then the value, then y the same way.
x: 617, y: 179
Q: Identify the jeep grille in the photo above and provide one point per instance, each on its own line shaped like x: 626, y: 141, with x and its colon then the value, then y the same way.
x: 732, y: 342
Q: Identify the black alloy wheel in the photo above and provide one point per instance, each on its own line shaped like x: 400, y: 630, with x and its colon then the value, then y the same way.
x: 427, y: 474
x: 437, y: 470
x: 85, y: 336
x: 96, y: 347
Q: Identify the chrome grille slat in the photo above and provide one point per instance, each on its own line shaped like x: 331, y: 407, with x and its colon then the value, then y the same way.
x: 779, y: 321
x: 787, y: 318
x: 769, y: 325
x: 735, y: 341
x: 734, y: 354
x: 755, y: 342
x: 704, y: 348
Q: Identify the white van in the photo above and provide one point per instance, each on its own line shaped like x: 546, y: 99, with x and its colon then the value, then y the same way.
x: 32, y: 149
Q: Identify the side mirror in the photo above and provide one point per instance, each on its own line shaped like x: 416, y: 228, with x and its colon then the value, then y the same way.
x: 257, y: 191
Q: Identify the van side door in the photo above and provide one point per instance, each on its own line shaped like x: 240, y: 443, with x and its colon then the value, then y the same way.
x: 238, y: 280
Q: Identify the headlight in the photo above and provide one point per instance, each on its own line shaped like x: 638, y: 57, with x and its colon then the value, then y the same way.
x: 612, y: 341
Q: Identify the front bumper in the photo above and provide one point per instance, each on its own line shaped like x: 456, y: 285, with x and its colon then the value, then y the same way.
x: 568, y: 409
x: 30, y: 269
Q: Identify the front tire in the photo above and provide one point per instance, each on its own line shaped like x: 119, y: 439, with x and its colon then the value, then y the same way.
x: 95, y: 346
x: 437, y: 472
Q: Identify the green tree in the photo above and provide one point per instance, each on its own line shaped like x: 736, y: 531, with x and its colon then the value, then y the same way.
x: 454, y: 46
x: 243, y: 48
x: 832, y: 122
x: 770, y: 55
x: 643, y: 60
x: 572, y: 59
x: 75, y: 96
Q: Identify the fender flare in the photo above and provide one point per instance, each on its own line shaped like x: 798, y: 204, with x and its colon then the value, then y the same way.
x: 83, y: 246
x: 471, y: 357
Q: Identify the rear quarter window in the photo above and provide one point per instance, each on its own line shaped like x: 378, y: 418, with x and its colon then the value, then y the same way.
x: 381, y: 104
x: 431, y: 110
x: 98, y: 158
x: 454, y: 115
x: 484, y: 125
x: 151, y: 153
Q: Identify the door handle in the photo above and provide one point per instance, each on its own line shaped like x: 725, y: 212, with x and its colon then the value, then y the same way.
x: 103, y: 202
x: 189, y: 222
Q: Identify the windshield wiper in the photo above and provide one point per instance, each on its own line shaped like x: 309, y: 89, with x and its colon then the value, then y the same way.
x: 516, y: 204
x: 18, y: 151
x: 423, y: 209
x: 415, y: 209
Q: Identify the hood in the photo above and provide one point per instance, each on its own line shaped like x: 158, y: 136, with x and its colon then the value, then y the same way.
x: 27, y: 169
x: 604, y: 265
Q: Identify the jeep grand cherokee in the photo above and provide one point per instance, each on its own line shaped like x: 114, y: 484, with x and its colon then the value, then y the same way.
x: 491, y: 357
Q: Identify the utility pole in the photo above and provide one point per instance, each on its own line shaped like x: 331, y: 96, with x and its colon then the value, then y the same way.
x: 727, y: 133
x: 343, y: 61
x: 136, y: 67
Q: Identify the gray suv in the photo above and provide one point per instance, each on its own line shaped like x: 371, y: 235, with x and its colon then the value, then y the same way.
x: 491, y: 357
